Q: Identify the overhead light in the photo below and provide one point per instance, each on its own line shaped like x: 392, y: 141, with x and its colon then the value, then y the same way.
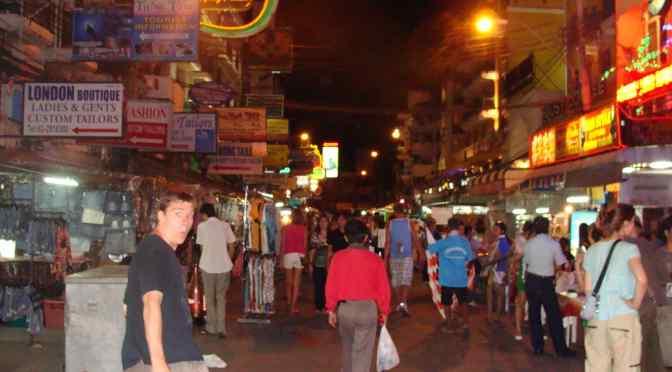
x: 628, y: 170
x: 519, y: 211
x: 661, y: 164
x: 363, y: 213
x: 569, y: 209
x: 402, y: 201
x: 279, y: 204
x: 489, y: 75
x: 542, y: 210
x: 578, y: 199
x: 61, y: 181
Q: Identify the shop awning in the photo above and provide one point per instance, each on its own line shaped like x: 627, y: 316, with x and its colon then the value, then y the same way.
x: 604, y: 168
x: 494, y: 182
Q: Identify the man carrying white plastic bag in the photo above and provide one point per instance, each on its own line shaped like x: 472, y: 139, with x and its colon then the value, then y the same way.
x: 358, y: 298
x: 388, y: 357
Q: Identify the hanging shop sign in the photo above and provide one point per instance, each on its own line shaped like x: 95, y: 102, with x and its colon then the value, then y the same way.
x: 277, y: 130
x: 11, y: 102
x: 646, y: 85
x: 277, y: 156
x: 241, y: 124
x: 235, y: 165
x: 147, y: 125
x: 73, y: 110
x: 590, y: 134
x: 330, y: 159
x: 193, y: 132
x: 256, y: 149
x: 211, y: 93
x: 270, y: 50
x: 154, y: 30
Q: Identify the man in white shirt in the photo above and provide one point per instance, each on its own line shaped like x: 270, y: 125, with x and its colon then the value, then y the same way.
x: 216, y: 240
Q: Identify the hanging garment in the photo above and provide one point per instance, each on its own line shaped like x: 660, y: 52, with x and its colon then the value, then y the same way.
x: 62, y: 253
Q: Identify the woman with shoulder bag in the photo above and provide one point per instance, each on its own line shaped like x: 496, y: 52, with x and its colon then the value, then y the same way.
x: 613, y: 336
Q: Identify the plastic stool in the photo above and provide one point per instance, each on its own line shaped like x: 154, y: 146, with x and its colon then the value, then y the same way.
x: 569, y: 323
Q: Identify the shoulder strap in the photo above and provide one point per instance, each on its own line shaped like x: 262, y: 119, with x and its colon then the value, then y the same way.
x: 604, y: 269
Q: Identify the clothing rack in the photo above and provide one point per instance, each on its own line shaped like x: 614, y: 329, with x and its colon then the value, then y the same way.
x: 258, y: 289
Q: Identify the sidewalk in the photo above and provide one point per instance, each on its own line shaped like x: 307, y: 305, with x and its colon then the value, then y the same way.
x: 307, y: 343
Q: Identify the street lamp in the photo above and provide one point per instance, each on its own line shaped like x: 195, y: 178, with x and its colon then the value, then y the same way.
x: 396, y: 133
x: 374, y: 154
x: 363, y: 172
x: 304, y: 136
x: 485, y: 25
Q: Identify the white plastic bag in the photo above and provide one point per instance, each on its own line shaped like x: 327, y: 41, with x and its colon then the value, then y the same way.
x: 388, y: 357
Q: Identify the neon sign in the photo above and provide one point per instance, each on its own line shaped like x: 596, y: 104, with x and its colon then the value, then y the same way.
x: 589, y: 134
x: 258, y: 24
x: 647, y: 84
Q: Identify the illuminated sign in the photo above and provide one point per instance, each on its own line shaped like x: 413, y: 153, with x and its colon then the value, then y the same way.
x: 647, y: 84
x: 256, y: 25
x: 330, y: 158
x: 591, y: 133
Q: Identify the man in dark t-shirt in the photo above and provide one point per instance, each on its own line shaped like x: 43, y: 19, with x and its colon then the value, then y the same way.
x: 336, y: 238
x: 158, y: 322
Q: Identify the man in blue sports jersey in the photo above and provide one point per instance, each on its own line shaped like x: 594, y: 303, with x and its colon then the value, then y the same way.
x: 454, y: 254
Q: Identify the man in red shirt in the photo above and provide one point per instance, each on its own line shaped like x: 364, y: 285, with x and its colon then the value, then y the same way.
x: 358, y: 297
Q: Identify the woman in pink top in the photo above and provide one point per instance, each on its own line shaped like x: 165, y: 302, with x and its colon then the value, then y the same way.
x: 294, y: 241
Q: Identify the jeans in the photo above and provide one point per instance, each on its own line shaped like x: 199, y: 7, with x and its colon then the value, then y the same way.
x: 51, y: 198
x: 93, y: 199
x: 93, y: 232
x: 23, y: 191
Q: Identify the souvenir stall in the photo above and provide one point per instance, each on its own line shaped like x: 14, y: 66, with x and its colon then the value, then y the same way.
x: 256, y: 265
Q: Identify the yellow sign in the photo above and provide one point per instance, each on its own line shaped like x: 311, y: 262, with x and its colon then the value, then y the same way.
x: 647, y: 84
x: 593, y: 132
x: 277, y: 156
x: 277, y: 130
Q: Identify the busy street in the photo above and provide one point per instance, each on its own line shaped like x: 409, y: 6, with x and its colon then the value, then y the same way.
x: 349, y: 185
x: 305, y: 342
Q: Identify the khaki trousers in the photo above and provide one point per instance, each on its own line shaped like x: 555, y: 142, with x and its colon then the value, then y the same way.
x: 174, y: 367
x: 614, y: 345
x: 215, y: 287
x: 357, y: 325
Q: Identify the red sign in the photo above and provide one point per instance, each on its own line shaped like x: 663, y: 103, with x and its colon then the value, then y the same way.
x: 146, y: 128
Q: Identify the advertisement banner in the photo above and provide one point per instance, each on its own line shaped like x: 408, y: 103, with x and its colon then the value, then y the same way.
x: 241, y: 124
x: 193, y: 132
x: 154, y: 30
x: 330, y: 159
x: 146, y: 126
x: 277, y: 157
x: 235, y: 165
x: 590, y: 134
x: 73, y: 110
x: 11, y: 102
x: 256, y: 149
x: 277, y: 130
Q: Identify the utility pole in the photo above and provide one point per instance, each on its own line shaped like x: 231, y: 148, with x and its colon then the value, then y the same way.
x: 584, y: 78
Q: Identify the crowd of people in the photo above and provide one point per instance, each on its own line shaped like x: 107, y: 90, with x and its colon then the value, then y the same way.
x: 362, y: 268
